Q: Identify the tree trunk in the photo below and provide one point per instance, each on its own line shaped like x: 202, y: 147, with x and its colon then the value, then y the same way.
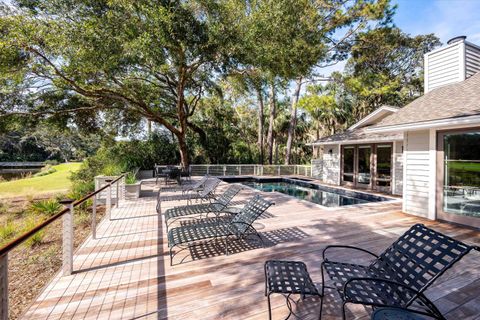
x: 182, y: 145
x: 271, y: 122
x: 149, y: 128
x: 293, y: 121
x: 182, y: 119
x: 260, y: 123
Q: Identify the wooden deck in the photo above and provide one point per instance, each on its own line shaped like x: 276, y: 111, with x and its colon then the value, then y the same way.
x: 125, y: 273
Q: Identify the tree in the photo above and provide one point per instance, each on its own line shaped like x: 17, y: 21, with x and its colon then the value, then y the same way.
x: 346, y: 19
x: 386, y: 67
x: 150, y: 59
x: 326, y: 107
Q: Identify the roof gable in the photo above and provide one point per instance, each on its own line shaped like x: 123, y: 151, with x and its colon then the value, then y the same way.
x: 374, y: 117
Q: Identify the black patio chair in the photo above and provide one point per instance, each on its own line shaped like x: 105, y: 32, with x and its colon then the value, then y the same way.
x: 216, y: 206
x: 239, y: 227
x: 185, y: 173
x: 185, y: 188
x: 400, y: 275
x: 159, y: 173
x: 205, y: 194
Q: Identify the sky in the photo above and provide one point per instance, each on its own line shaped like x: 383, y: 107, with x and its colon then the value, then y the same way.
x: 445, y: 18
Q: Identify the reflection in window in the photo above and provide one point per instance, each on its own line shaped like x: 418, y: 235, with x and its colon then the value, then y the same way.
x: 462, y: 173
x: 348, y: 163
x: 364, y: 164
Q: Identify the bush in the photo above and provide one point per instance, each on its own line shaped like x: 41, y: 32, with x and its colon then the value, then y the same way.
x: 51, y: 162
x: 80, y: 189
x: 82, y: 217
x: 36, y: 239
x: 48, y: 169
x: 130, y: 178
x: 7, y: 231
x: 116, y: 157
x: 48, y: 207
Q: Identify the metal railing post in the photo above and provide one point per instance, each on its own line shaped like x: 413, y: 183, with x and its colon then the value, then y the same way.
x: 278, y: 170
x: 4, y: 287
x: 239, y: 170
x: 94, y: 217
x: 108, y: 205
x: 117, y: 199
x: 208, y: 169
x: 67, y: 265
x: 224, y: 170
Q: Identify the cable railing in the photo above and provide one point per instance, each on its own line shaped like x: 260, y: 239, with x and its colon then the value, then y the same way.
x: 67, y: 234
x: 250, y: 170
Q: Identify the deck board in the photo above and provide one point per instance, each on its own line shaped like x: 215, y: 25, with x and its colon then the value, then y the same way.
x: 125, y: 272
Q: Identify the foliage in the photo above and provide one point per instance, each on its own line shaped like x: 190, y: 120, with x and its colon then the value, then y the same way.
x: 385, y: 68
x: 35, y: 140
x: 36, y: 239
x: 117, y: 157
x: 82, y: 217
x: 47, y: 207
x: 7, y: 231
x: 48, y: 169
x: 130, y: 178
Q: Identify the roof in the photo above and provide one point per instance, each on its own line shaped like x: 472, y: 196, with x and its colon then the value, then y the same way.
x: 358, y: 136
x: 357, y: 133
x: 375, y: 117
x: 452, y: 101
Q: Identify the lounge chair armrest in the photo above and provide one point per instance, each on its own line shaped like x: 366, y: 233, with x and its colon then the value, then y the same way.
x: 347, y: 247
x: 380, y: 292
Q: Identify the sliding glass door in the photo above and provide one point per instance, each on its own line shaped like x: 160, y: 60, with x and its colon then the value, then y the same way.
x: 383, y: 180
x: 458, y: 186
x: 364, y: 176
x: 348, y: 165
x: 367, y: 166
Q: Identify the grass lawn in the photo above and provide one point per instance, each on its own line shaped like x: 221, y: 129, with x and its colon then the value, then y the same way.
x: 57, y: 181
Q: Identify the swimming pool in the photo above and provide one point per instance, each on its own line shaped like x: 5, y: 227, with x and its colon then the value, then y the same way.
x: 305, y: 190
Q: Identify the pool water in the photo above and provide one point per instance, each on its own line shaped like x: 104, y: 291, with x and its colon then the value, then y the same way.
x: 322, y: 197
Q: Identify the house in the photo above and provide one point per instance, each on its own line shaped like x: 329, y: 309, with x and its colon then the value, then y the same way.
x: 428, y: 151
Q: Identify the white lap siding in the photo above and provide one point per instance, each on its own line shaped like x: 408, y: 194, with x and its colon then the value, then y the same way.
x: 417, y: 173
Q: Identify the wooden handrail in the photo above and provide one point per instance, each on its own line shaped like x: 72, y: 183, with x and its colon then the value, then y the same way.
x: 17, y: 241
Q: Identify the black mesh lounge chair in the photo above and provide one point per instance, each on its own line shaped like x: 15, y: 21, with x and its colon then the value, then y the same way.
x: 206, y: 193
x: 240, y: 226
x: 216, y: 206
x: 400, y: 275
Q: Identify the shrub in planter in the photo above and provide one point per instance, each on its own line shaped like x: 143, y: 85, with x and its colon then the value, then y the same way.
x: 132, y: 187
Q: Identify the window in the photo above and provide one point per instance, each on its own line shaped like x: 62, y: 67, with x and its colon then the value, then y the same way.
x: 461, y: 180
x: 364, y: 153
x: 348, y: 163
x: 384, y: 165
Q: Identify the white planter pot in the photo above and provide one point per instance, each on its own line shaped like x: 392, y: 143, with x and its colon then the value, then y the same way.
x: 133, y: 190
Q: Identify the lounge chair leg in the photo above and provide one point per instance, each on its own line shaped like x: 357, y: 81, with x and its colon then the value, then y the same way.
x: 344, y: 315
x: 265, y: 271
x: 226, y: 245
x: 171, y: 257
x: 323, y: 290
x: 269, y: 307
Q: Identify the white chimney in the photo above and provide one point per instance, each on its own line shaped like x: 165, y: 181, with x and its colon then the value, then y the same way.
x: 455, y: 62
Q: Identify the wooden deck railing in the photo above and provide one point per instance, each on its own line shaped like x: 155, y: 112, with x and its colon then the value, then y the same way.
x: 67, y: 233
